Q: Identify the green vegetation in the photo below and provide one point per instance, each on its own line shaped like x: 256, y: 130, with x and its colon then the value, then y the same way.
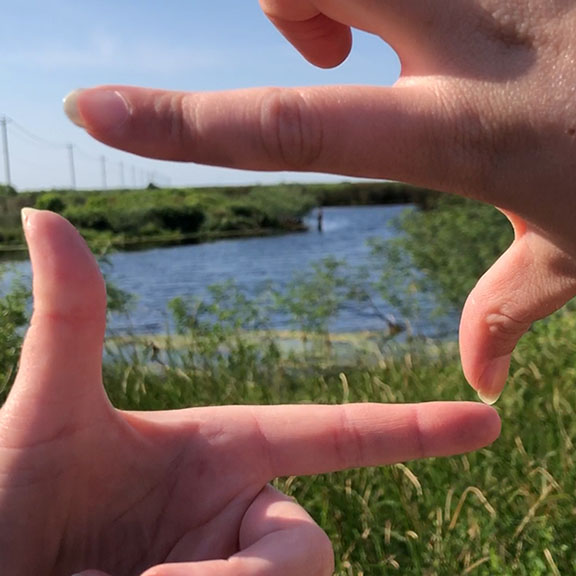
x: 506, y: 510
x: 133, y: 218
x: 454, y: 244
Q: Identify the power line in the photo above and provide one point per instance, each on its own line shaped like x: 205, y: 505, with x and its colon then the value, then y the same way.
x: 38, y: 140
x: 9, y: 127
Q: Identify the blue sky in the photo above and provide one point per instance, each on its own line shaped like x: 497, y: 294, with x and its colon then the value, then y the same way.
x: 50, y: 47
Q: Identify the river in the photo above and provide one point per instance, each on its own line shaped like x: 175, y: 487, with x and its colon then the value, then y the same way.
x: 158, y: 275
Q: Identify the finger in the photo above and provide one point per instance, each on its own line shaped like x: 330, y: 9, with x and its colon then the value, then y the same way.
x: 277, y: 538
x: 529, y: 282
x: 59, y: 380
x: 404, y: 134
x: 321, y: 40
x: 316, y: 439
x: 415, y: 29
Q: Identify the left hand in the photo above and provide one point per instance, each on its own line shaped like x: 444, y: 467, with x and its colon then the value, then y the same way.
x: 84, y: 486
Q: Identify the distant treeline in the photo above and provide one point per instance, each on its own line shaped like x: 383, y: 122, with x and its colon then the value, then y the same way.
x: 371, y: 193
x: 131, y: 218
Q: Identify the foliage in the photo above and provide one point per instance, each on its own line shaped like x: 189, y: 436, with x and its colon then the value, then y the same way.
x: 453, y: 244
x: 366, y: 193
x: 313, y: 297
x: 13, y: 318
x: 50, y: 201
x: 7, y: 190
x: 161, y: 216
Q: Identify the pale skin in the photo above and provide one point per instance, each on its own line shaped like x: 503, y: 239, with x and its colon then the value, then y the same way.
x: 485, y: 107
x: 86, y: 488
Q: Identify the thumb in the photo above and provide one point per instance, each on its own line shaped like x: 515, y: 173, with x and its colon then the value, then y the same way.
x: 530, y: 281
x: 59, y: 382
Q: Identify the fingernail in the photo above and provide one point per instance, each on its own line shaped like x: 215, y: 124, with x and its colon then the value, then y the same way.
x: 101, y: 109
x: 71, y: 108
x: 25, y: 214
x: 493, y: 380
x: 489, y: 399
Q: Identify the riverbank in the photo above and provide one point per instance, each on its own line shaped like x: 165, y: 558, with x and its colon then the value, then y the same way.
x: 134, y: 219
x: 369, y: 348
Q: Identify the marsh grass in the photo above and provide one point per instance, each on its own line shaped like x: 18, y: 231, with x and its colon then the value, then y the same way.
x: 509, y: 509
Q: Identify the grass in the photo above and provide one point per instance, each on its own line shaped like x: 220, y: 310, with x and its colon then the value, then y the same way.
x: 507, y: 510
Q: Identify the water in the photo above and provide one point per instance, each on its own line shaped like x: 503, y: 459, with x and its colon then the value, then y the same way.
x: 156, y: 276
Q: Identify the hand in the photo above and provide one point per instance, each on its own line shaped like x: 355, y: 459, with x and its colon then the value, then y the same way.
x: 485, y: 108
x: 86, y: 486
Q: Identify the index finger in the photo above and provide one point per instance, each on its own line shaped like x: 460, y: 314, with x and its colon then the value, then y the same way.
x: 300, y: 440
x: 303, y: 440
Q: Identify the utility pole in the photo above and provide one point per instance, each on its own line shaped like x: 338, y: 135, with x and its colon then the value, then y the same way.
x: 3, y: 126
x: 104, y: 181
x: 72, y: 166
x: 122, y: 181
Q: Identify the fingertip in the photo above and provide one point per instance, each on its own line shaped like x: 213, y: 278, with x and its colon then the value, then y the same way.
x: 70, y: 105
x: 66, y: 277
x: 483, y: 427
x: 26, y: 214
x: 324, y: 42
x: 492, y: 423
x: 451, y: 428
x: 103, y: 109
x: 484, y: 364
x: 493, y: 380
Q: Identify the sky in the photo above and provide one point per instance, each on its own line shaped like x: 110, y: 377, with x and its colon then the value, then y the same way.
x: 51, y: 47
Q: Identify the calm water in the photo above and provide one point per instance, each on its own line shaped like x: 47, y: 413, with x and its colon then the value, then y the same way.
x: 158, y: 275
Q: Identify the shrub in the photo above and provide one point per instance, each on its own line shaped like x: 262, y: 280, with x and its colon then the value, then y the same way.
x: 7, y: 190
x: 51, y: 201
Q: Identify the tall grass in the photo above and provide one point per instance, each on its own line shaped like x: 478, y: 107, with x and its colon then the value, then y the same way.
x: 509, y: 509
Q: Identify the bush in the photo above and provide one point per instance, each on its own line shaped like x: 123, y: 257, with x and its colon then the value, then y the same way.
x: 83, y: 217
x: 51, y: 201
x: 7, y: 190
x: 185, y: 219
x: 13, y: 317
x: 454, y: 243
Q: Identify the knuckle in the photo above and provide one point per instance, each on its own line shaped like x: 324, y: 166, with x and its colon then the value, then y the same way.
x: 348, y: 442
x: 502, y: 326
x: 177, y: 116
x: 290, y: 129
